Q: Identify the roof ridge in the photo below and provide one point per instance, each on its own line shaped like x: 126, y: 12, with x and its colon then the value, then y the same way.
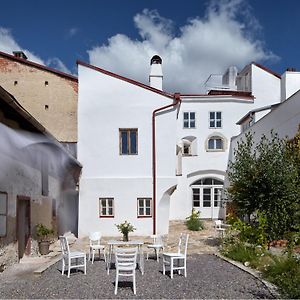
x: 37, y: 65
x: 140, y: 84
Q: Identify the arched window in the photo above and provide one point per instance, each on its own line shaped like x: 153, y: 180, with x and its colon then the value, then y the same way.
x: 216, y: 142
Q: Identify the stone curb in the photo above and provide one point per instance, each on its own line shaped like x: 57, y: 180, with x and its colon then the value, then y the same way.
x: 271, y: 287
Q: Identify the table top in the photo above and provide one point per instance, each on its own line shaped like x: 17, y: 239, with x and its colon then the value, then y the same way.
x: 132, y: 242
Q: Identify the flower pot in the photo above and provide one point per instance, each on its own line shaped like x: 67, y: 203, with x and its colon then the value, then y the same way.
x: 44, y: 247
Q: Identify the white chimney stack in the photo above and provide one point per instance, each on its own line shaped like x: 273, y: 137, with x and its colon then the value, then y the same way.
x: 156, y: 75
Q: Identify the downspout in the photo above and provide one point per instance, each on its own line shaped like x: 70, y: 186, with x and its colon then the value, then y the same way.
x: 177, y: 101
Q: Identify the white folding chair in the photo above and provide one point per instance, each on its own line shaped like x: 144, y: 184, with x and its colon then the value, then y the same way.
x: 125, y: 265
x: 95, y: 245
x: 158, y: 244
x: 68, y: 257
x: 219, y: 227
x: 177, y: 261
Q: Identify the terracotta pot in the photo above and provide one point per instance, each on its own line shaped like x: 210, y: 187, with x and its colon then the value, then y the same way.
x: 44, y: 247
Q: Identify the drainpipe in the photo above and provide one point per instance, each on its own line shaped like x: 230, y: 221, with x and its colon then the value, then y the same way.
x: 177, y: 101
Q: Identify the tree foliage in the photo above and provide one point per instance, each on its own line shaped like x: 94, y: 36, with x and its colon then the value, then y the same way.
x: 265, y: 178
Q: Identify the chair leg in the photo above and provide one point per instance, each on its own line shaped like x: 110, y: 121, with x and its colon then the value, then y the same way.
x: 134, y: 285
x: 69, y: 267
x: 93, y: 256
x: 90, y: 254
x: 171, y: 266
x: 185, y: 267
x: 63, y: 266
x: 116, y: 284
x: 104, y: 255
x: 147, y: 255
x: 84, y: 265
x: 164, y: 267
x: 156, y: 253
x: 99, y: 254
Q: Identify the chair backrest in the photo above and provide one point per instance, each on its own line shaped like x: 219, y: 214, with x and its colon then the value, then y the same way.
x: 218, y: 223
x: 158, y: 240
x: 95, y: 238
x: 64, y: 245
x: 126, y: 258
x: 183, y: 243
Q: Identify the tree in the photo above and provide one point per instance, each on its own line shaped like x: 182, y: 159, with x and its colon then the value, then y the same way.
x: 265, y: 178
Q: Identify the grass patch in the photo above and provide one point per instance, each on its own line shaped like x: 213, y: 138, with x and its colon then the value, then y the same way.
x: 285, y: 274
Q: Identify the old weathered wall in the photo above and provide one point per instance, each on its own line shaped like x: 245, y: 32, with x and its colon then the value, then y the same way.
x: 50, y: 98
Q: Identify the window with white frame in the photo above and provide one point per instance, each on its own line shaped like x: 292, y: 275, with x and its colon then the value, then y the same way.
x: 3, y: 214
x: 215, y: 119
x: 106, y: 207
x: 215, y: 143
x: 128, y: 141
x: 144, y: 207
x: 189, y: 119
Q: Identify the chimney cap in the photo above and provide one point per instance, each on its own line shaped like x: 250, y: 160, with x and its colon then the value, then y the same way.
x: 19, y: 54
x: 156, y: 60
x: 291, y: 69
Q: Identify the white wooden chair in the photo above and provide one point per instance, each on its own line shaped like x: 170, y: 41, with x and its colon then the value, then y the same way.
x: 68, y: 257
x: 177, y: 261
x: 158, y: 244
x: 219, y: 227
x: 125, y: 265
x: 95, y: 245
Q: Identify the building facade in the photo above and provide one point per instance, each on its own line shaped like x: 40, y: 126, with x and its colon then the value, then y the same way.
x: 38, y: 179
x: 48, y: 94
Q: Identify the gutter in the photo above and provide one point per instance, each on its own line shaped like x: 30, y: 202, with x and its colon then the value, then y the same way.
x: 177, y: 101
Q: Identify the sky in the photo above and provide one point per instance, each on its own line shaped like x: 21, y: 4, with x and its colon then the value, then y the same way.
x: 194, y: 38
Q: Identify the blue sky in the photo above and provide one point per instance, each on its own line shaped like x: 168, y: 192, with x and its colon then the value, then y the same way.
x: 194, y: 38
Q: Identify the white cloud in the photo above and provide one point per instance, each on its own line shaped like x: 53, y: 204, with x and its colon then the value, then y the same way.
x: 72, y: 31
x: 8, y: 44
x: 57, y: 64
x: 225, y: 36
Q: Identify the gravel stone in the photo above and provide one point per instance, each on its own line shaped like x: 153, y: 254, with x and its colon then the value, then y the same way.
x: 208, y: 277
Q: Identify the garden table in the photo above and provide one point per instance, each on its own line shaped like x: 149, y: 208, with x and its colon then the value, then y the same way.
x: 112, y: 243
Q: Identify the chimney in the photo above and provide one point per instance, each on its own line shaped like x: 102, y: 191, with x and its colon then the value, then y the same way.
x: 19, y: 54
x: 156, y: 75
x: 290, y: 83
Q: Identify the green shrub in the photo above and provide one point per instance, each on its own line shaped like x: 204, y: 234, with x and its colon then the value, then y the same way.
x: 285, y: 273
x: 43, y: 233
x: 240, y: 252
x: 193, y: 222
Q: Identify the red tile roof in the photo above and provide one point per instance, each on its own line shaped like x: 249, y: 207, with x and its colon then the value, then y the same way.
x: 38, y: 66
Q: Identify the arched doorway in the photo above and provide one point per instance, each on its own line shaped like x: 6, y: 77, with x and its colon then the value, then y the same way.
x: 207, y: 198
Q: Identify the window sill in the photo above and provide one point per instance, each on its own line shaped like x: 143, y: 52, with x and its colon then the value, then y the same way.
x: 144, y: 217
x: 104, y: 217
x: 215, y: 150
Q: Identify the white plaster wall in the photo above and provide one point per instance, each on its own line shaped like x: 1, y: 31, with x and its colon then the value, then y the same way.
x: 204, y: 162
x: 106, y: 104
x: 265, y: 87
x: 290, y: 84
x: 284, y: 120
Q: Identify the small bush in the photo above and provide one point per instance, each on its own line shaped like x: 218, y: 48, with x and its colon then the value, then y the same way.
x: 240, y: 252
x: 285, y: 273
x: 193, y: 222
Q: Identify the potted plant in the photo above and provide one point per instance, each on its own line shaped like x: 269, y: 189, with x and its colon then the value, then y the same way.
x: 125, y: 228
x: 44, y: 235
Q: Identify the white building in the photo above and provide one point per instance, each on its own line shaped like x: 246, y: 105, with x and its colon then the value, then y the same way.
x: 131, y: 174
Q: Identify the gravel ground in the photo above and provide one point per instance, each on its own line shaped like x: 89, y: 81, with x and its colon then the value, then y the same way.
x: 208, y: 277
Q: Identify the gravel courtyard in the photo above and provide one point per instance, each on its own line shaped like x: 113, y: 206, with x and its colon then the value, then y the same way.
x: 208, y: 277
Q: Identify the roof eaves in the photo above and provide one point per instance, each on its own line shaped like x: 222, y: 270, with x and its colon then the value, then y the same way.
x: 267, y: 70
x: 38, y: 66
x: 137, y: 83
